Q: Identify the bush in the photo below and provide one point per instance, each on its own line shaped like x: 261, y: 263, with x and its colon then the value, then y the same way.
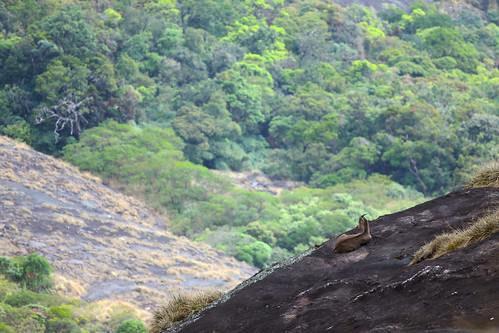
x: 132, y: 326
x: 65, y: 325
x: 60, y: 312
x: 6, y: 287
x: 6, y: 329
x: 21, y: 319
x: 36, y: 272
x: 10, y: 269
x: 27, y: 297
x: 22, y: 297
x: 445, y: 63
x: 493, y: 15
x: 257, y: 253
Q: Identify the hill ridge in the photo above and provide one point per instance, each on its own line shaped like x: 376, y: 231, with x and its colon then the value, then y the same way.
x: 103, y: 244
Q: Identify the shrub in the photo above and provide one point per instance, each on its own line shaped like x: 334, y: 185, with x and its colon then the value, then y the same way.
x: 6, y: 287
x: 445, y: 63
x: 21, y: 298
x: 10, y: 269
x: 66, y: 325
x: 26, y: 297
x: 132, y: 326
x: 36, y: 272
x: 257, y: 253
x: 181, y: 307
x: 60, y: 312
x: 21, y: 319
x: 5, y: 328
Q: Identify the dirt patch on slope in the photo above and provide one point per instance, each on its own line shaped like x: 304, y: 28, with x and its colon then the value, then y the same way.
x: 257, y: 181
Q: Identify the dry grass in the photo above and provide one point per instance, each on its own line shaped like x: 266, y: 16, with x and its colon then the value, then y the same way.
x: 66, y: 219
x: 105, y: 309
x: 486, y: 175
x: 448, y: 242
x: 25, y: 211
x: 181, y: 307
x: 68, y: 287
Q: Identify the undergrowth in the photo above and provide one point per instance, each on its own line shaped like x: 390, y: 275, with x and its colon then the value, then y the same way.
x: 180, y: 307
x: 448, y: 242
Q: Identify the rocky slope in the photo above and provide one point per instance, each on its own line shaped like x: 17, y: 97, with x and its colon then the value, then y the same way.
x: 374, y: 289
x: 103, y: 245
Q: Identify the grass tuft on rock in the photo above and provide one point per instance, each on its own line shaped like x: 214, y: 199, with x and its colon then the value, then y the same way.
x: 487, y: 175
x: 448, y: 242
x: 180, y: 307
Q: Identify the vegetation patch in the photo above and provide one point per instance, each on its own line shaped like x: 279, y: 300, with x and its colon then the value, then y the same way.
x: 486, y: 175
x: 448, y: 242
x: 180, y: 307
x: 29, y: 303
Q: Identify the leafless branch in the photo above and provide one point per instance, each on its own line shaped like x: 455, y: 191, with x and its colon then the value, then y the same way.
x: 65, y: 113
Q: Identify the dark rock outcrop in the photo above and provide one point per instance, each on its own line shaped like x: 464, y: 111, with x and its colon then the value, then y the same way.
x: 374, y: 289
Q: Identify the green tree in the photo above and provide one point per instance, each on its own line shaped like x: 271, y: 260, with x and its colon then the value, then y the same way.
x: 244, y: 101
x: 257, y: 253
x: 442, y: 42
x: 69, y: 29
x: 37, y: 272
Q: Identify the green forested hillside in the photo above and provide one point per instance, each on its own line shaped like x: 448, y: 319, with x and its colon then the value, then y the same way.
x: 149, y: 93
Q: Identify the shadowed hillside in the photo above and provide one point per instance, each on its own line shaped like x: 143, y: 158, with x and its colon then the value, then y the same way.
x: 103, y: 245
x: 374, y: 289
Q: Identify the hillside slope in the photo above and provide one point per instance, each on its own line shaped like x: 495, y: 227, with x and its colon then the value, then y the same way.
x: 102, y: 244
x: 374, y: 289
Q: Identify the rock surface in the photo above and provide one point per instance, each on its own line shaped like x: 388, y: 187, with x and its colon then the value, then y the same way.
x: 374, y: 289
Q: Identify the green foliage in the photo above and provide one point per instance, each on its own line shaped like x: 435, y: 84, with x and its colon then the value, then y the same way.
x: 132, y: 326
x: 21, y: 319
x: 6, y: 287
x: 6, y: 329
x: 257, y: 254
x: 36, y: 272
x: 493, y: 15
x: 22, y: 310
x: 33, y: 271
x: 10, y: 269
x: 24, y: 297
x: 19, y: 130
x: 336, y: 97
x: 443, y: 42
x: 59, y: 312
x: 62, y: 325
x: 69, y: 29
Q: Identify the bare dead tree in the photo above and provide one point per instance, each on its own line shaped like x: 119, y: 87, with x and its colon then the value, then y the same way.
x: 65, y: 113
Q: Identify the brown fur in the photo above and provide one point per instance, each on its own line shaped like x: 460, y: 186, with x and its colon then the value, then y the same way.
x: 348, y: 243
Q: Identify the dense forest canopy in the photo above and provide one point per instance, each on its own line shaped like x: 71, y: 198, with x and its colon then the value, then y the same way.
x: 151, y: 93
